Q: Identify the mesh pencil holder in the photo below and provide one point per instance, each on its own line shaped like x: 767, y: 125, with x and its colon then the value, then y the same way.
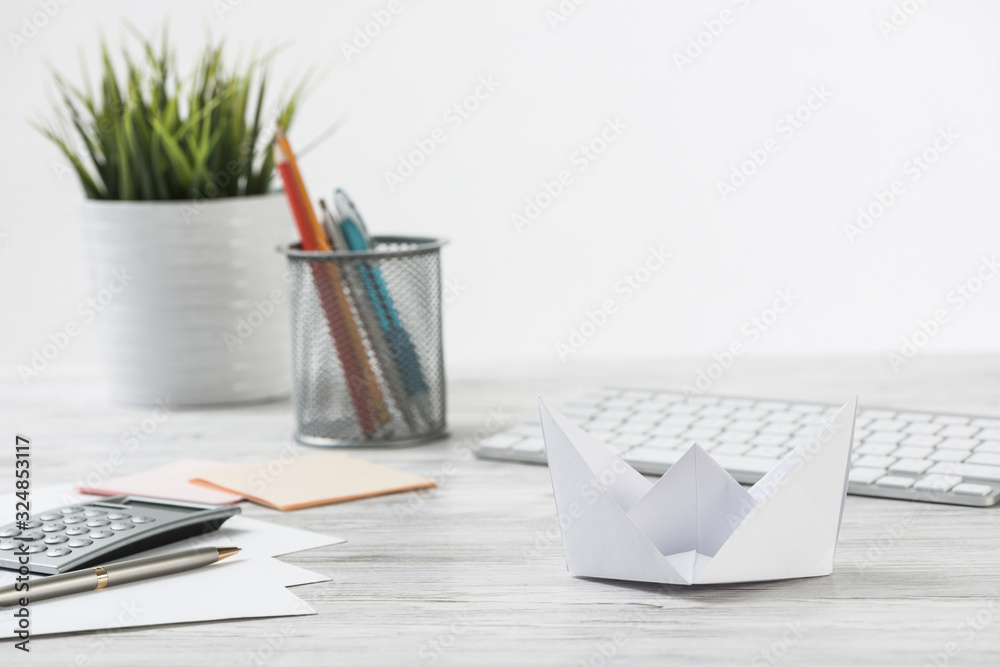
x: 367, y: 359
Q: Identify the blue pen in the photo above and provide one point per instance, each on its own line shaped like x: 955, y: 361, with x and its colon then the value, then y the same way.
x: 404, y: 353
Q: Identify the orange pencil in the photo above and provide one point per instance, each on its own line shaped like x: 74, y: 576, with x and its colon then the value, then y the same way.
x: 366, y: 396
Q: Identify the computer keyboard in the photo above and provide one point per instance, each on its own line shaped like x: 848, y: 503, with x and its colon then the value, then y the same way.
x: 923, y: 456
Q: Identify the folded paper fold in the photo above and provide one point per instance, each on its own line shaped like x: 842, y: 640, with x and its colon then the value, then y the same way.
x: 696, y: 524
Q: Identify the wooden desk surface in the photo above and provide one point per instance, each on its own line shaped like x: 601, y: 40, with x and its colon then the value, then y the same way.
x: 473, y: 573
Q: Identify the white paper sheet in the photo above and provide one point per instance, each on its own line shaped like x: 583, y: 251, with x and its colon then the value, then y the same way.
x: 250, y: 584
x: 696, y: 524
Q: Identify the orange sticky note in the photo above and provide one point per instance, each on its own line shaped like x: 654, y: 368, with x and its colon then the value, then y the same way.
x: 310, y: 480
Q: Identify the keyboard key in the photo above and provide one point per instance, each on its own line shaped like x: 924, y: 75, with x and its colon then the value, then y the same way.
x: 895, y: 482
x: 958, y: 443
x: 877, y: 414
x: 914, y: 466
x: 74, y: 519
x: 744, y: 464
x: 628, y: 440
x: 527, y: 445
x: 865, y: 475
x: 734, y: 436
x: 874, y: 462
x: 600, y: 425
x: 730, y: 448
x: 749, y: 415
x: 986, y: 423
x: 619, y: 407
x: 97, y: 523
x: 913, y: 452
x: 921, y: 440
x: 876, y: 450
x: 767, y: 452
x: 10, y: 532
x: 532, y: 430
x: 52, y: 527
x: 32, y: 524
x: 884, y: 436
x: 715, y: 411
x: 70, y: 510
x: 989, y: 434
x: 989, y: 446
x: 711, y: 424
x: 653, y: 456
x: 55, y: 539
x: 972, y: 490
x: 937, y: 482
x: 100, y: 534
x: 952, y: 420
x: 769, y: 440
x: 79, y: 543
x: 949, y: 455
x: 680, y: 419
x: 667, y: 429
x: 779, y: 427
x: 499, y: 441
x: 782, y: 417
x: 959, y: 431
x: 700, y: 434
x: 747, y: 425
x: 31, y: 537
x: 60, y: 552
x: 599, y: 436
x: 665, y: 442
x: 991, y: 473
x: 886, y: 425
x: 914, y: 417
x: 36, y: 549
x: 9, y: 545
x: 634, y: 427
x: 646, y: 417
x: 77, y: 530
x: 51, y: 516
x: 983, y: 458
x: 923, y: 428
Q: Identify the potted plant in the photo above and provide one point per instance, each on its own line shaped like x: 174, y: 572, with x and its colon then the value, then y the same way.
x: 179, y: 211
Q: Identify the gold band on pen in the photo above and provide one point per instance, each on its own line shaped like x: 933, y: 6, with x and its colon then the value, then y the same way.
x: 102, y: 577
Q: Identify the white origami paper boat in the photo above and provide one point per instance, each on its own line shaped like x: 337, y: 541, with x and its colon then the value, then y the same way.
x: 696, y: 524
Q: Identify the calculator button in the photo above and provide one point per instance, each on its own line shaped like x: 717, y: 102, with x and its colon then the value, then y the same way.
x: 69, y: 510
x: 52, y: 527
x: 32, y: 524
x: 8, y: 545
x: 60, y: 552
x: 78, y: 542
x: 143, y: 519
x: 10, y: 532
x: 77, y: 530
x: 97, y: 523
x: 100, y: 534
x: 117, y: 516
x: 36, y: 549
x: 31, y: 537
x: 55, y: 539
x: 121, y: 525
x: 92, y: 513
x: 51, y: 516
x: 73, y: 519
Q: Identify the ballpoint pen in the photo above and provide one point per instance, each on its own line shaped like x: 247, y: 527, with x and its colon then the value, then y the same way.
x: 96, y: 578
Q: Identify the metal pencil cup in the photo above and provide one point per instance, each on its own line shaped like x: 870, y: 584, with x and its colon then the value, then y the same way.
x: 367, y: 359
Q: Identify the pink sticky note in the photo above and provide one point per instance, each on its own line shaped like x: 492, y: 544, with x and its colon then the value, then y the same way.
x: 169, y: 481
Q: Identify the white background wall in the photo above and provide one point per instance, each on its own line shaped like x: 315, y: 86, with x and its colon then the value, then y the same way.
x: 685, y: 129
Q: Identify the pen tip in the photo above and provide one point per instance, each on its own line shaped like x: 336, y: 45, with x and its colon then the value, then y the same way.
x: 226, y: 552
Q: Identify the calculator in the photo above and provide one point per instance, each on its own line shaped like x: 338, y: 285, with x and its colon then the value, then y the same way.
x: 99, y: 531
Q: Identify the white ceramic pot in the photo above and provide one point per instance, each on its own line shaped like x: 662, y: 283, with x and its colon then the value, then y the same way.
x: 192, y: 298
